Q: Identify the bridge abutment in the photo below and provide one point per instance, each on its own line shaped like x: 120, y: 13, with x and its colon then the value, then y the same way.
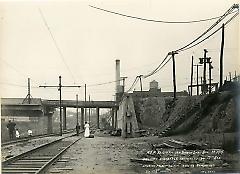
x: 50, y: 123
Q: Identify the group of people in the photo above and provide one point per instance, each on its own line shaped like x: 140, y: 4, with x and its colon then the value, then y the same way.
x: 13, y: 131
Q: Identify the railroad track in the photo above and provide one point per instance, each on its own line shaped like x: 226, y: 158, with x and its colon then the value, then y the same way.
x: 38, y: 160
x: 34, y: 137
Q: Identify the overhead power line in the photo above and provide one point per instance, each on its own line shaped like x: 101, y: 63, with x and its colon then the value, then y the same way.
x: 211, y: 33
x: 229, y: 11
x: 156, y: 69
x: 165, y: 60
x: 24, y: 76
x: 104, y: 83
x: 162, y: 64
x: 16, y: 85
x: 186, y: 47
x: 133, y: 85
x: 153, y: 20
x: 55, y: 43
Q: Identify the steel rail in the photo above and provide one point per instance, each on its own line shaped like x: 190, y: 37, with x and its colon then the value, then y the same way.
x: 33, y: 137
x: 55, y: 158
x: 14, y: 158
x: 43, y: 161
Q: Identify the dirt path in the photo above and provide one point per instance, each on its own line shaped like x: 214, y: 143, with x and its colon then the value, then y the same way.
x: 99, y: 155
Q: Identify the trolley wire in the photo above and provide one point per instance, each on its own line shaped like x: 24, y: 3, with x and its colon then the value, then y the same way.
x: 158, y: 21
x: 56, y: 44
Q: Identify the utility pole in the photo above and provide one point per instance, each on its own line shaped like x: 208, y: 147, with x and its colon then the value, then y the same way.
x: 210, y: 76
x: 77, y: 108
x: 60, y: 86
x: 123, y: 78
x: 60, y: 103
x: 174, y: 73
x: 77, y: 126
x: 89, y: 110
x: 140, y: 78
x: 221, y: 57
x: 204, y: 70
x: 197, y: 79
x: 85, y: 94
x: 28, y: 97
x: 235, y: 76
x: 191, y: 76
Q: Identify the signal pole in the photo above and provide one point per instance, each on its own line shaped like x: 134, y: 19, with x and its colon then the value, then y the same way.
x: 210, y: 76
x: 60, y: 86
x: 191, y: 77
x: 174, y: 73
x: 204, y: 61
x: 197, y: 79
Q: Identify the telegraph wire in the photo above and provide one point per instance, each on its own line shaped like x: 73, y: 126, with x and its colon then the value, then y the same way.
x: 156, y: 69
x: 185, y: 47
x: 152, y: 20
x: 211, y: 33
x: 56, y: 44
x: 133, y: 85
x: 17, y: 85
x: 195, y: 44
x: 229, y: 11
x: 17, y: 71
x: 104, y: 83
x: 210, y: 28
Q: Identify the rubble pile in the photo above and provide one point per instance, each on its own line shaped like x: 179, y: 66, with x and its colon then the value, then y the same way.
x: 221, y: 118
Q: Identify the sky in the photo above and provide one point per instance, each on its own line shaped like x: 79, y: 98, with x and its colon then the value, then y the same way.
x: 44, y: 39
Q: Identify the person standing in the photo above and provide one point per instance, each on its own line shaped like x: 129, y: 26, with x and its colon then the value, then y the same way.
x: 87, y: 131
x: 11, y: 129
x: 17, y: 134
x: 29, y: 132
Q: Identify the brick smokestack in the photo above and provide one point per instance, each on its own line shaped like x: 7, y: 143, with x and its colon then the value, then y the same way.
x: 117, y: 77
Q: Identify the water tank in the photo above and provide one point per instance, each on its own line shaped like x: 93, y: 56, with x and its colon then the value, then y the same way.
x: 154, y: 84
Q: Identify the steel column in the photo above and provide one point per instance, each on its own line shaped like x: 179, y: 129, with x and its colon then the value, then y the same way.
x: 97, y: 112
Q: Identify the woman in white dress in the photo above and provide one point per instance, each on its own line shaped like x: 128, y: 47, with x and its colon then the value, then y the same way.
x: 87, y: 131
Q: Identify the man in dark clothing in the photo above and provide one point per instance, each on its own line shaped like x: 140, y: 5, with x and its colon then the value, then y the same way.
x: 11, y: 129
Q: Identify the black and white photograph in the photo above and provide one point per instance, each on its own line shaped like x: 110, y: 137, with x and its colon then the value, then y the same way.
x: 120, y: 86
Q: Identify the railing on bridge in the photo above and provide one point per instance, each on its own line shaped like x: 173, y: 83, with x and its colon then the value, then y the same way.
x: 87, y: 104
